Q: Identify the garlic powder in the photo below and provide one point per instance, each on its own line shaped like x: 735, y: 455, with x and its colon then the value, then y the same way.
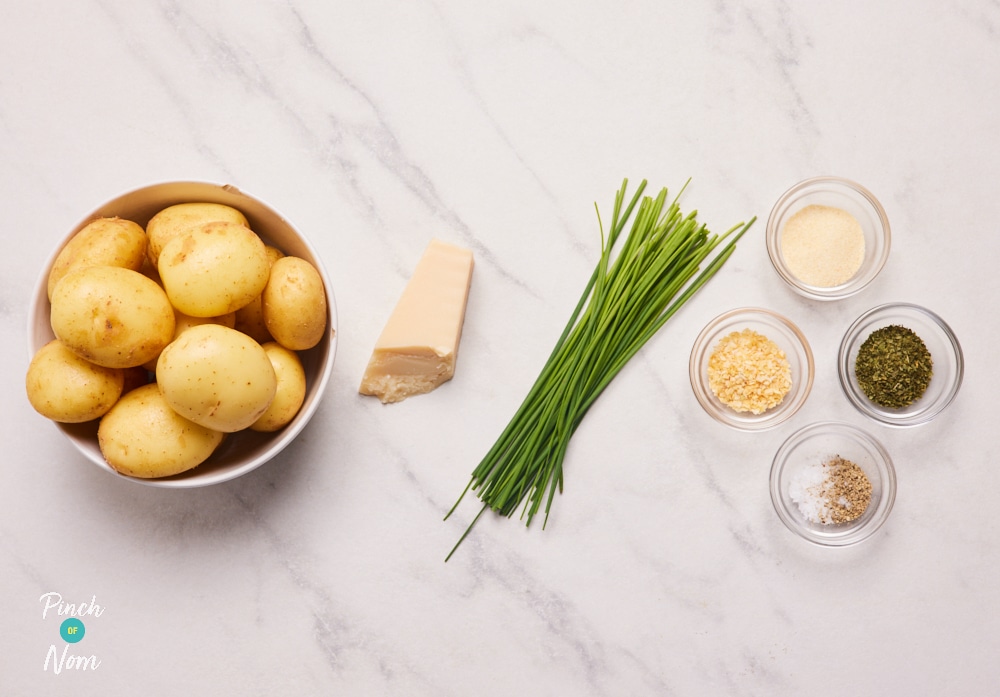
x: 823, y: 246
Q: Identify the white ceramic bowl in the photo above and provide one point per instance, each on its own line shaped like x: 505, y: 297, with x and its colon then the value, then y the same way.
x: 946, y: 354
x: 817, y: 443
x: 244, y: 451
x: 778, y: 329
x: 839, y: 193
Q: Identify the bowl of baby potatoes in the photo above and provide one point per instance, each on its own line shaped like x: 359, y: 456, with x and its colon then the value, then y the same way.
x: 181, y: 335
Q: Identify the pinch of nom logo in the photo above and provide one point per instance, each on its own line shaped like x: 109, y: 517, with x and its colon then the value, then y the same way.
x: 72, y: 630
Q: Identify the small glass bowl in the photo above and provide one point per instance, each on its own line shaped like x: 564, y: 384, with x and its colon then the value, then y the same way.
x: 946, y: 354
x: 778, y: 329
x: 845, y: 195
x: 817, y: 443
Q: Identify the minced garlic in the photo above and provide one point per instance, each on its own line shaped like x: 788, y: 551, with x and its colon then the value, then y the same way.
x: 748, y: 372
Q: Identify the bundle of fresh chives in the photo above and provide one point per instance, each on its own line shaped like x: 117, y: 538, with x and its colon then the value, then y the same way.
x: 630, y: 295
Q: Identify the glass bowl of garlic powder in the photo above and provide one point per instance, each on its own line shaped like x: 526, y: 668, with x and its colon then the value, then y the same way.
x: 828, y: 237
x: 833, y: 484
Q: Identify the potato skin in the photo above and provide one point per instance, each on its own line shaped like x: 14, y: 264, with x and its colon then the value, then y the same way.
x: 217, y: 377
x: 250, y: 317
x: 214, y: 269
x: 135, y: 377
x: 142, y: 436
x: 182, y: 322
x: 114, y: 317
x: 179, y: 218
x: 294, y: 304
x: 250, y: 321
x: 291, y: 391
x: 102, y: 242
x: 66, y: 388
x: 273, y: 254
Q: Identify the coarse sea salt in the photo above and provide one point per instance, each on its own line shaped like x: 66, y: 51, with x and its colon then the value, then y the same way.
x: 835, y: 491
x: 806, y: 489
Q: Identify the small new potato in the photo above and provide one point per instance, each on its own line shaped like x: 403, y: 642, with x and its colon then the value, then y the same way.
x: 250, y: 317
x: 142, y: 436
x: 151, y: 272
x: 182, y: 322
x: 273, y: 254
x: 187, y: 321
x: 294, y: 304
x: 135, y: 377
x: 214, y: 269
x: 179, y: 218
x: 103, y: 242
x: 217, y: 377
x: 291, y: 392
x: 250, y: 321
x: 114, y: 317
x: 66, y: 388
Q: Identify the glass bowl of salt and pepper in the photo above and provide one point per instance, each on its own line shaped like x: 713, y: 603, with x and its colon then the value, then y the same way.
x: 833, y: 484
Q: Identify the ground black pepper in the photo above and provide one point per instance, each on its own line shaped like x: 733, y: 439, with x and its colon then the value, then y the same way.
x: 893, y: 367
x: 833, y: 492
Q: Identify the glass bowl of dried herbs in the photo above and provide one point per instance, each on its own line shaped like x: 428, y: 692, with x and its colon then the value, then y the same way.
x: 751, y: 368
x: 900, y: 364
x: 833, y: 484
x: 828, y: 237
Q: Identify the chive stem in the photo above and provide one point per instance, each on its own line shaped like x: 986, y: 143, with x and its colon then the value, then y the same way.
x: 630, y: 295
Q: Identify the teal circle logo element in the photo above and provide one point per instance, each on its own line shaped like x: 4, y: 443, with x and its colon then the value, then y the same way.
x: 72, y: 630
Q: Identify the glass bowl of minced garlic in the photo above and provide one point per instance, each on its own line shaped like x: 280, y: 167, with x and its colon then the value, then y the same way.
x: 900, y: 364
x: 751, y: 368
x: 833, y: 484
x: 828, y: 237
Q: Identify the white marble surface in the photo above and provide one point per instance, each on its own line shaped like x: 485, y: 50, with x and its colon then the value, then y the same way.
x: 375, y: 126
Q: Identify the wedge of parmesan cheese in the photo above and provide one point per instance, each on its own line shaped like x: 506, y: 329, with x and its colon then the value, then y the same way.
x: 418, y: 347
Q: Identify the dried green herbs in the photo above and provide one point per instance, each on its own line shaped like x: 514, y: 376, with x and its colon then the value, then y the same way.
x: 893, y: 367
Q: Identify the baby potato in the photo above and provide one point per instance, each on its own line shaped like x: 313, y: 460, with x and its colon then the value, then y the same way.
x: 250, y: 317
x: 135, y: 377
x: 182, y: 322
x: 150, y: 271
x: 294, y: 304
x: 142, y: 436
x: 114, y: 317
x: 250, y: 321
x: 273, y: 254
x: 217, y: 377
x: 187, y: 321
x: 179, y: 218
x: 66, y: 388
x: 291, y: 390
x: 103, y: 242
x: 214, y: 269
